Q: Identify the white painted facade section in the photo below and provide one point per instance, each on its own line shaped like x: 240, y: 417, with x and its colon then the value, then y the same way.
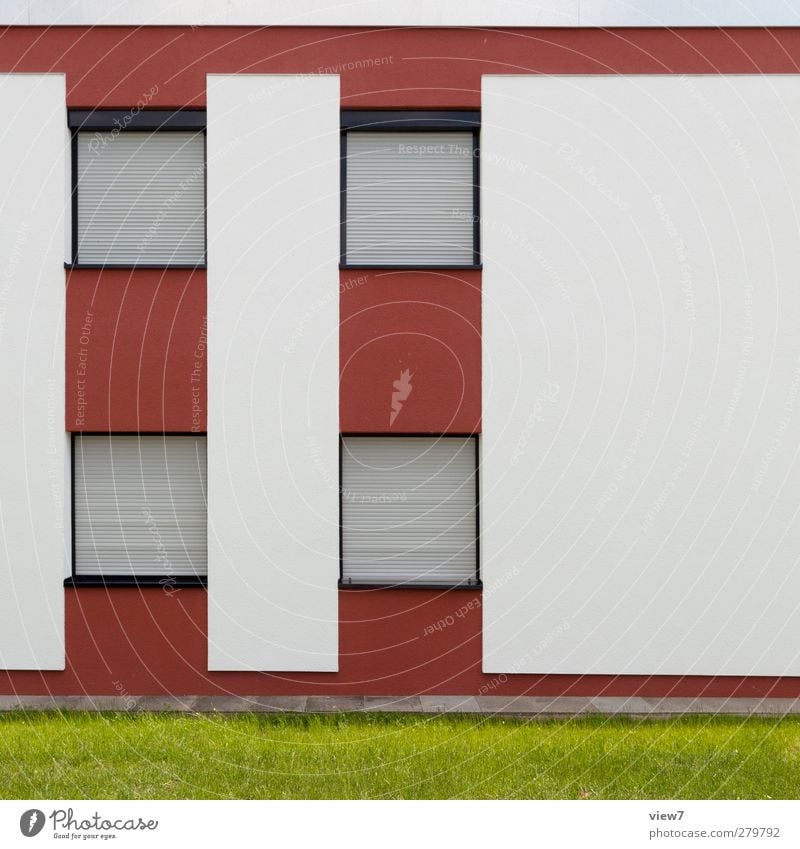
x: 641, y: 505
x: 32, y: 445
x: 273, y: 372
x: 518, y: 13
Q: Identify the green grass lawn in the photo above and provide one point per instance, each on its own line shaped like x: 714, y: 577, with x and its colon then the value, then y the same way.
x: 146, y: 756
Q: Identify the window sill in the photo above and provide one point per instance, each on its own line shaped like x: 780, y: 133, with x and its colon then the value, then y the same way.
x: 80, y: 266
x: 345, y: 585
x: 164, y: 582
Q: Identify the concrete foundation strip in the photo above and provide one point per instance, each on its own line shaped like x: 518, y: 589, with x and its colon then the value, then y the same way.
x: 525, y: 706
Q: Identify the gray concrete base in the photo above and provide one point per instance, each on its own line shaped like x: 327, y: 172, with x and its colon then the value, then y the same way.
x: 530, y: 706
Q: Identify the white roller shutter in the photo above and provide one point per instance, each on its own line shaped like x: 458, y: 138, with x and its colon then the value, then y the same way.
x: 409, y: 198
x: 409, y: 510
x: 141, y: 198
x: 140, y: 505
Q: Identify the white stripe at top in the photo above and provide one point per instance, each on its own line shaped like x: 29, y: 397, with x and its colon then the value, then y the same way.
x: 450, y: 13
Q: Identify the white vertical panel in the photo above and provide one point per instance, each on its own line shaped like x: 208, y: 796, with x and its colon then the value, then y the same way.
x: 641, y: 504
x: 32, y: 149
x: 273, y: 304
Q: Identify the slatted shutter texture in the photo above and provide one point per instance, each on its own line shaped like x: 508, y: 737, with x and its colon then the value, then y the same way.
x: 409, y: 510
x: 140, y: 505
x: 141, y: 198
x: 409, y: 198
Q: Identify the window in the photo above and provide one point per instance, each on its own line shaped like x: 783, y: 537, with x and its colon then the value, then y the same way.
x: 409, y: 510
x: 138, y: 192
x: 139, y: 507
x: 410, y: 189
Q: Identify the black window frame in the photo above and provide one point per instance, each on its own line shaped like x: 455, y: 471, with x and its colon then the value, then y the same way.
x: 162, y: 581
x: 133, y: 121
x: 416, y: 121
x: 477, y: 584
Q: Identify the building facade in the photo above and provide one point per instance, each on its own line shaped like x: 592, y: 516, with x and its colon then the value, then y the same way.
x: 397, y: 360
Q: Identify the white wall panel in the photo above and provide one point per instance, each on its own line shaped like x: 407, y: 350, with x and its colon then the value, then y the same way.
x: 641, y: 495
x: 273, y: 385
x: 32, y: 554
